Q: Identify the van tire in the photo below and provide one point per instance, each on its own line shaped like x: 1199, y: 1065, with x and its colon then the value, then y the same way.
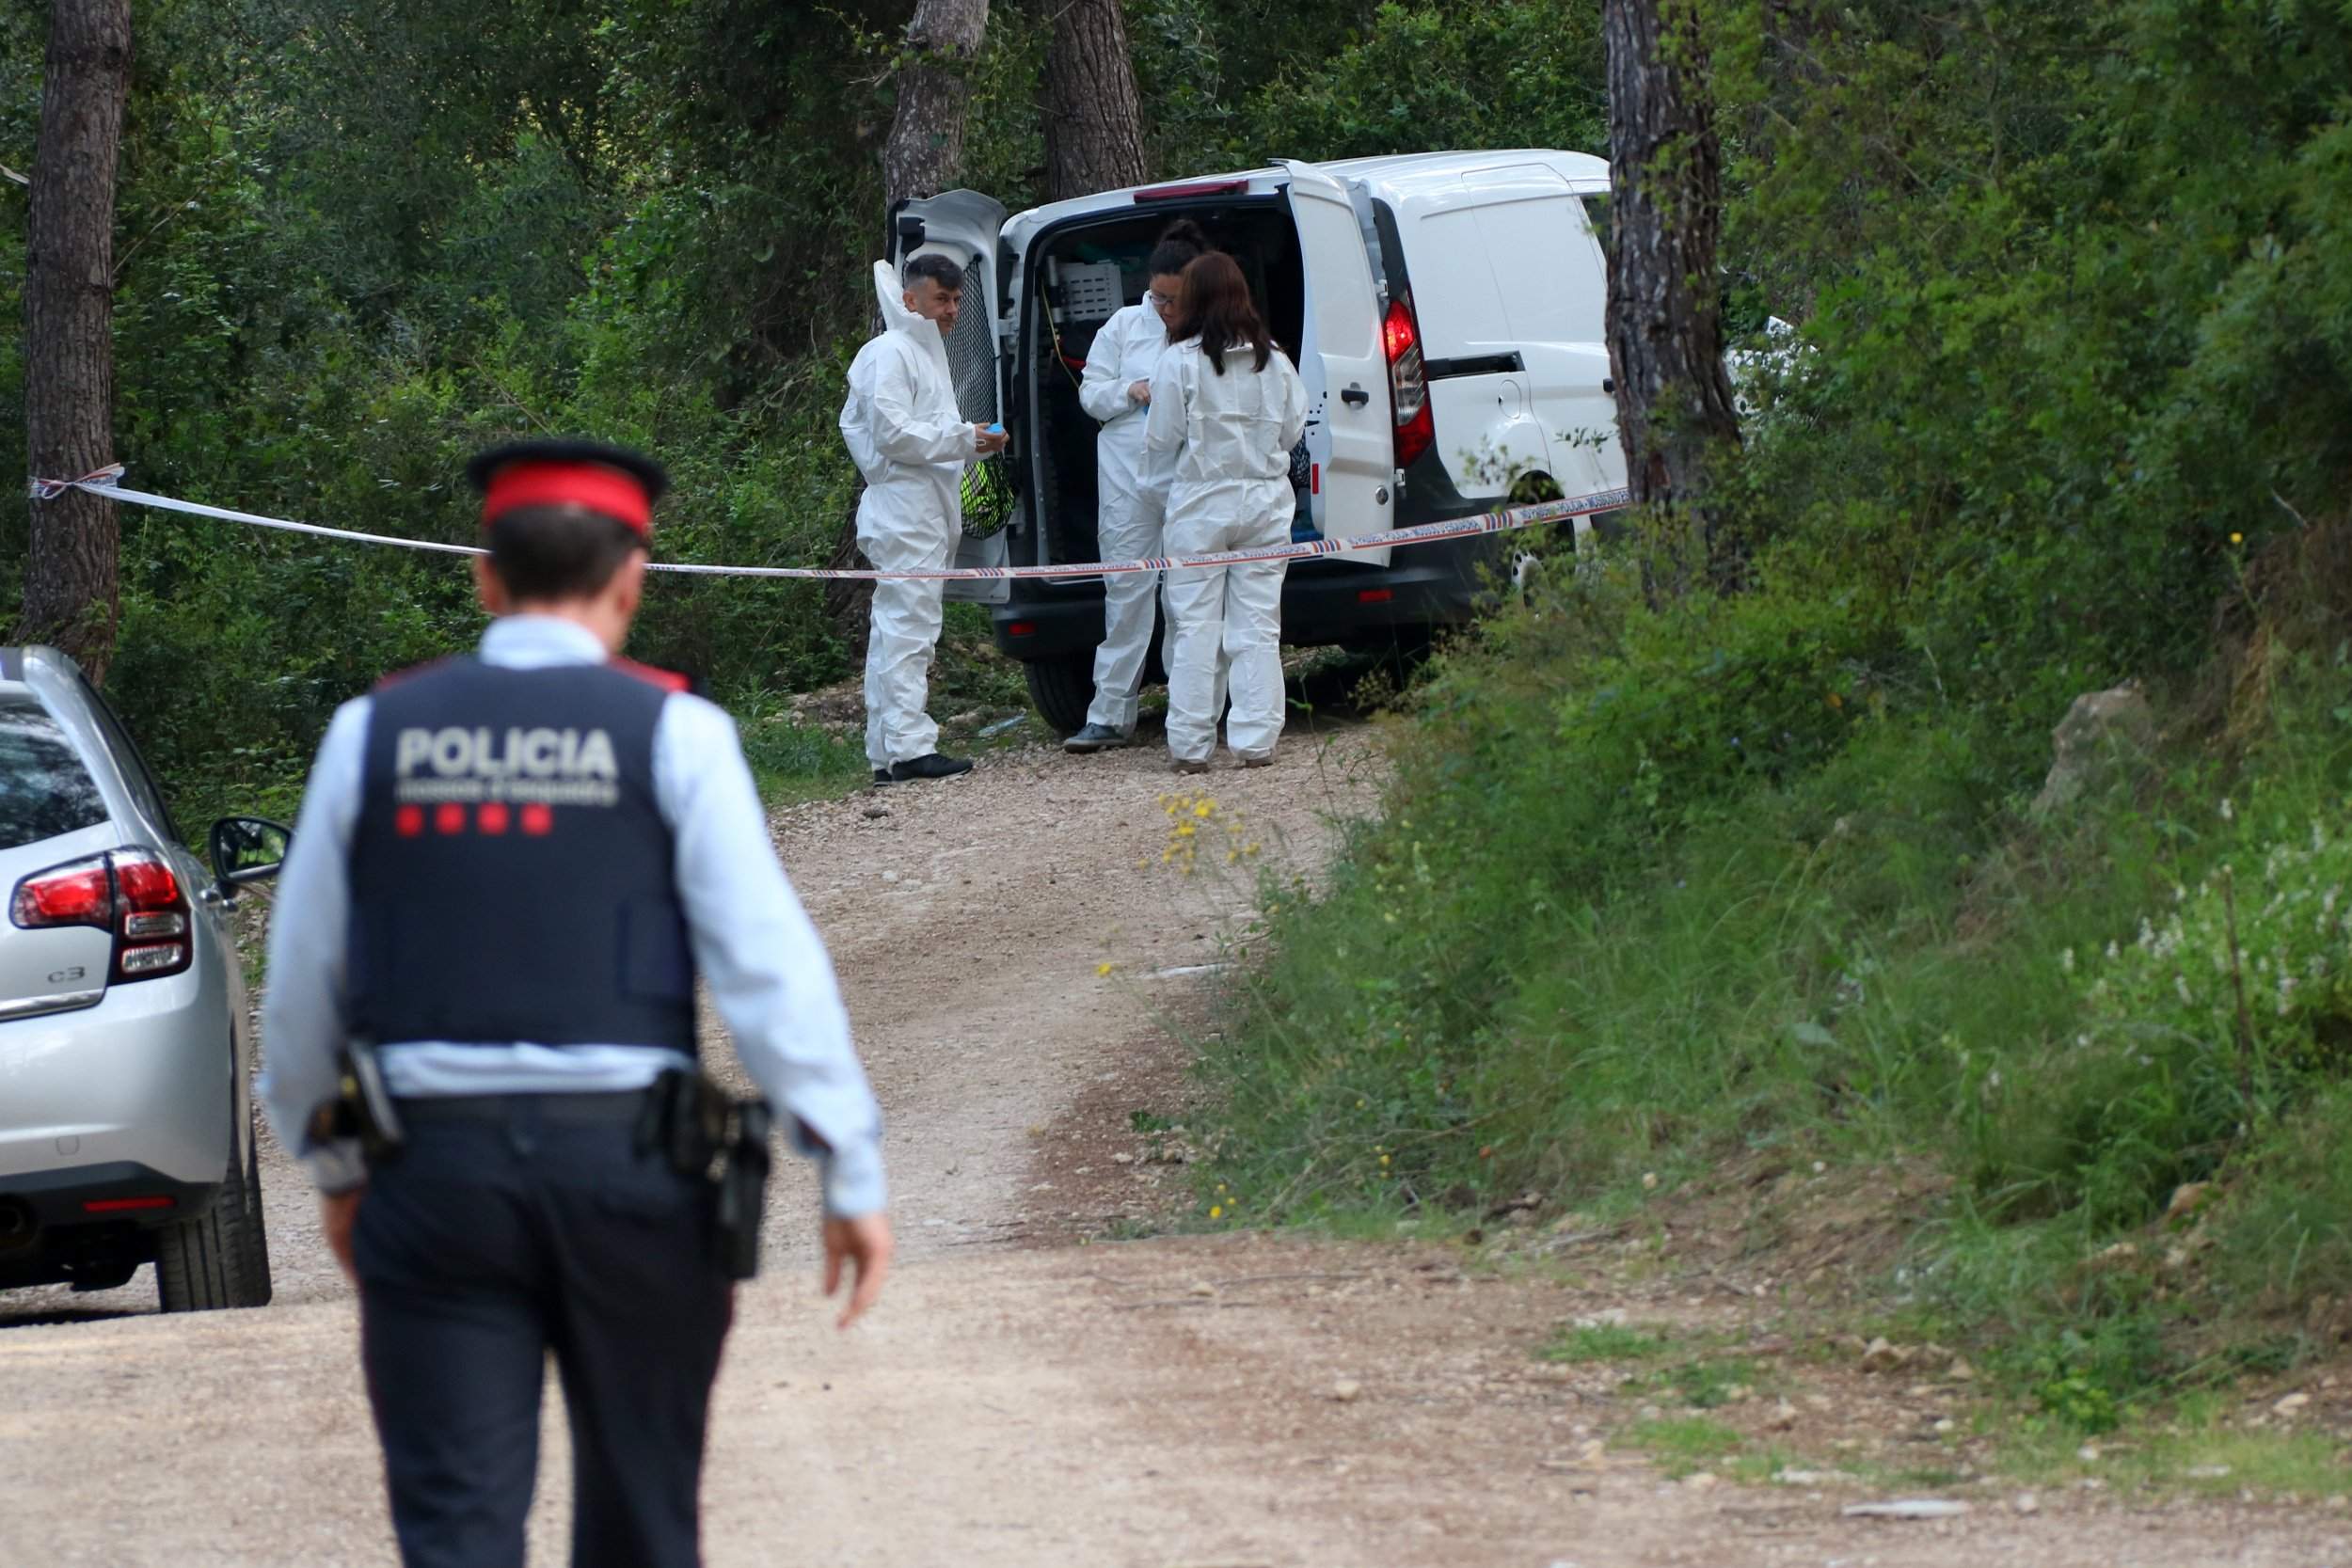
x: 219, y: 1258
x: 1061, y: 687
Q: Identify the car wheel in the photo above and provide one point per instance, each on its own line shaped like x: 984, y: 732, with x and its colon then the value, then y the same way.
x: 1061, y: 688
x: 220, y: 1258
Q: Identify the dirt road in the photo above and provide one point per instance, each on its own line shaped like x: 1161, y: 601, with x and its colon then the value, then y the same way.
x: 1019, y: 1399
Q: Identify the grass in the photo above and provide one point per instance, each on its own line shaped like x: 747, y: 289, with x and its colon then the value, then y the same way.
x: 1707, y: 1383
x: 2195, y: 1448
x: 1683, y: 1445
x: 795, y: 762
x: 1605, y: 1342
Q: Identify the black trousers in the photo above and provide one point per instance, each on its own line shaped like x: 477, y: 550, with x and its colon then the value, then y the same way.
x: 510, y: 1227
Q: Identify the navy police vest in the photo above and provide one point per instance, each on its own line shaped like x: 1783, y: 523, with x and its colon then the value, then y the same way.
x: 510, y: 876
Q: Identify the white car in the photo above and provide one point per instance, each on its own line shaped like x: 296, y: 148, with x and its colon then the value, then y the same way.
x: 126, y: 1124
x: 1447, y: 310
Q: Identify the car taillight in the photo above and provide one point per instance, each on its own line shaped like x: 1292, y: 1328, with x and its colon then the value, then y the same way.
x: 1409, y: 389
x: 130, y: 893
x: 77, y: 894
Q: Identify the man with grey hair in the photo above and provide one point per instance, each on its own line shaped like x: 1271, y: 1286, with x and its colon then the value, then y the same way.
x: 912, y: 444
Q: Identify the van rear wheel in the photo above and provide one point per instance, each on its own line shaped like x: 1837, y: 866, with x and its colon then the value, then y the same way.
x: 1061, y: 687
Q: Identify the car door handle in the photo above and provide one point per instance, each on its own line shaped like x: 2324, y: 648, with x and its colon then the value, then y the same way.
x: 1355, y: 397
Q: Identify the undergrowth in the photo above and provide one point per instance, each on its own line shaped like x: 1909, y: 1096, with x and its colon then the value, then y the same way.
x: 1660, y: 887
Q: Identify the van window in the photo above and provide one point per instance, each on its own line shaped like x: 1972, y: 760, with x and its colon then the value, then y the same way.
x: 44, y: 789
x: 1348, y: 319
x: 1453, y: 285
x: 1550, y: 272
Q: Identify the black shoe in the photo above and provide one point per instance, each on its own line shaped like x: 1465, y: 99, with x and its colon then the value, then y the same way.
x: 933, y: 766
x: 1097, y: 738
x: 882, y: 775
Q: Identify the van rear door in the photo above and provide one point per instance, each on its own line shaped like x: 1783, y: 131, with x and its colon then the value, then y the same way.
x: 1352, y: 435
x: 963, y: 226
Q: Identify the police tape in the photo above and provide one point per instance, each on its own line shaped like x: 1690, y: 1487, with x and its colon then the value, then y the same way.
x: 107, y: 481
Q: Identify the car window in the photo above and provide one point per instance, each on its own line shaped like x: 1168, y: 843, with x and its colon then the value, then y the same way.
x: 128, y: 758
x: 44, y: 789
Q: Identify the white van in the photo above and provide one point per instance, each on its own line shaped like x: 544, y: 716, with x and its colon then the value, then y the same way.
x: 1446, y: 311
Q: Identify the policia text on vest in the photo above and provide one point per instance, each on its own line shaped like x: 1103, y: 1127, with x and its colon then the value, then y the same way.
x: 509, y: 874
x: 557, y: 767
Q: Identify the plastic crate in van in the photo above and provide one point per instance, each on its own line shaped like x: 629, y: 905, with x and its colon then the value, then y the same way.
x: 1090, y: 291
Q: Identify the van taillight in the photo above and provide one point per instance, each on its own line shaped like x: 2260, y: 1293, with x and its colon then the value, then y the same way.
x: 1409, y: 389
x: 130, y: 893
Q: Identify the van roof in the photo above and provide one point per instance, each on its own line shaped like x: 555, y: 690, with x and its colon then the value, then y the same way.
x: 1399, y: 175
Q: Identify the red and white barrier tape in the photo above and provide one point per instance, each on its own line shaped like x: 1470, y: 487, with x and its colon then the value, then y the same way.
x: 105, y: 482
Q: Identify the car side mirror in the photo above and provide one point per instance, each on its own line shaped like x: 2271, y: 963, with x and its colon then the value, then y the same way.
x: 247, y: 849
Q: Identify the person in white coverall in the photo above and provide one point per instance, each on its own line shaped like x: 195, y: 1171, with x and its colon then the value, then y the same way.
x: 912, y: 444
x: 1226, y: 407
x: 1116, y: 390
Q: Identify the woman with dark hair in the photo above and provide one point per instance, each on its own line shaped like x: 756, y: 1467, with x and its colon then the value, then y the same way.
x: 1227, y: 407
x: 1117, y: 389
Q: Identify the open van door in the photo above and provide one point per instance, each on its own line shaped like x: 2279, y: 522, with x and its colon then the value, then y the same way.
x: 1351, y: 433
x: 962, y: 226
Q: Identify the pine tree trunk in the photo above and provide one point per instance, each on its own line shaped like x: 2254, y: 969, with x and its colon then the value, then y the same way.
x: 71, y: 571
x: 922, y: 156
x: 1093, y: 118
x: 925, y: 146
x: 1674, y: 410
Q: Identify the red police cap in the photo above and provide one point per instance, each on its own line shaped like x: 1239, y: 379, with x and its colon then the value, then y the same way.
x: 612, y: 481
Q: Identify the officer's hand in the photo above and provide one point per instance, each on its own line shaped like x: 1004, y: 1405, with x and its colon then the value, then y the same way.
x: 1140, y: 391
x: 990, y: 440
x: 864, y: 1242
x: 337, y: 1213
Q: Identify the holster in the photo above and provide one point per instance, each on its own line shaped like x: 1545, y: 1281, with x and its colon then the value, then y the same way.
x: 706, y: 1135
x: 361, y: 1109
x: 684, y: 1118
x: 743, y: 1189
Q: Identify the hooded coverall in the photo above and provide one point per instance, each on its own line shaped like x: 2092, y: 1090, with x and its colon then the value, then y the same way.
x: 1126, y: 350
x: 1221, y: 442
x: 912, y: 444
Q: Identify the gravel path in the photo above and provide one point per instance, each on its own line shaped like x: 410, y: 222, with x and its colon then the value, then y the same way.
x: 1186, y: 1402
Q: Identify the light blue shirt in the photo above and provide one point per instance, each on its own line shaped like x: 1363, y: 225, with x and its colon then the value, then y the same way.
x: 766, y: 966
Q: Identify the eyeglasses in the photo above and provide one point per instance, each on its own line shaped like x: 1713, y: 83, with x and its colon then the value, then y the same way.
x: 1158, y: 301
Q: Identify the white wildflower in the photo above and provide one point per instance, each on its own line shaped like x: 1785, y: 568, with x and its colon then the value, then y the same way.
x: 2180, y: 984
x: 2113, y: 951
x: 2227, y: 813
x: 2066, y: 961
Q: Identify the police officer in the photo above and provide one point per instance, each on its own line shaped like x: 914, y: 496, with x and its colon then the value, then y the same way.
x: 508, y: 873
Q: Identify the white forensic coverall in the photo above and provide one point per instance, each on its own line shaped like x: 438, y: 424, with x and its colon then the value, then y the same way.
x: 911, y: 441
x: 1221, y: 444
x: 1126, y: 350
